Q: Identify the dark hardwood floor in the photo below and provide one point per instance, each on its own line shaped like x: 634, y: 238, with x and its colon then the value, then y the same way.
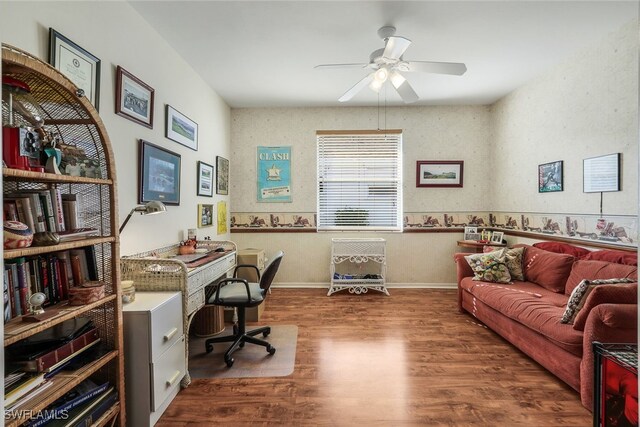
x: 404, y: 359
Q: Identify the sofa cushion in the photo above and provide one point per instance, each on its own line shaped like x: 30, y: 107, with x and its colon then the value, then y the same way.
x: 618, y: 294
x: 563, y: 248
x: 581, y: 292
x: 548, y: 269
x: 596, y: 270
x: 489, y: 267
x: 532, y: 306
x: 619, y: 257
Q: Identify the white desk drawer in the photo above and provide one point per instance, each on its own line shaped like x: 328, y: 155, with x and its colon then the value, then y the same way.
x: 167, y: 372
x: 166, y: 326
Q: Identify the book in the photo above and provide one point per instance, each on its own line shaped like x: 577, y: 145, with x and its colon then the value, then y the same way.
x: 84, y: 413
x: 23, y: 290
x: 21, y: 388
x: 56, y: 201
x: 66, y: 274
x: 5, y: 295
x: 47, y: 207
x: 50, y: 359
x: 9, y: 210
x: 23, y: 206
x: 72, y: 208
x: 77, y: 234
x: 86, y: 257
x: 99, y: 409
x: 37, y: 209
x: 83, y: 392
x: 14, y: 295
x: 30, y: 395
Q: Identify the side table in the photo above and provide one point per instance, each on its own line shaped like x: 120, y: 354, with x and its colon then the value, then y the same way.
x: 350, y: 253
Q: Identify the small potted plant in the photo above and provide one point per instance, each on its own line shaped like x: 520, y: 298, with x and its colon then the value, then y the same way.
x: 187, y: 247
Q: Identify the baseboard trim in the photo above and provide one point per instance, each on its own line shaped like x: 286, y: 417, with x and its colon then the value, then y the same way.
x: 315, y: 285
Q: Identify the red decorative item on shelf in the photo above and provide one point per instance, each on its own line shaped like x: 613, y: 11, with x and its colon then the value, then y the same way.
x: 17, y: 235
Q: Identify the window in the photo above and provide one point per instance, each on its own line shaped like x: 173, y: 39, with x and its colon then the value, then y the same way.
x: 360, y: 180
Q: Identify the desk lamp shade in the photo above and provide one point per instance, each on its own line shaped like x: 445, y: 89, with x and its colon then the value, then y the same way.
x: 150, y: 208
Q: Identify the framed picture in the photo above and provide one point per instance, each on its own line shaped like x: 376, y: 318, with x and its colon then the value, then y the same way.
x: 205, y: 179
x: 205, y: 216
x: 222, y: 175
x: 80, y: 66
x: 470, y: 233
x: 496, y: 237
x: 274, y: 174
x: 158, y: 175
x: 134, y: 98
x: 550, y: 177
x: 601, y: 174
x: 181, y: 129
x: 439, y: 173
x: 222, y: 217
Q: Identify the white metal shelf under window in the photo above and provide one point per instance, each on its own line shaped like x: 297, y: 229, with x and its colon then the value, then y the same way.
x: 360, y: 180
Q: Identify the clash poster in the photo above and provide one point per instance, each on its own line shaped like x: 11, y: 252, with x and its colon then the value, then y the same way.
x: 274, y: 174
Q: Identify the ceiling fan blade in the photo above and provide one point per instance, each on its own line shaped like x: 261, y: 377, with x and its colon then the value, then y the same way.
x: 403, y: 88
x: 329, y: 66
x: 395, y: 47
x: 356, y: 88
x: 454, y: 68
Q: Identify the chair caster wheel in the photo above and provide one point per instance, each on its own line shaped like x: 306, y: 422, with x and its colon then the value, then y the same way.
x: 241, y: 345
x: 229, y: 362
x: 271, y: 349
x: 209, y: 348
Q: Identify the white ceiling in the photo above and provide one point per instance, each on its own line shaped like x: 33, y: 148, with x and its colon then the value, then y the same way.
x: 262, y: 53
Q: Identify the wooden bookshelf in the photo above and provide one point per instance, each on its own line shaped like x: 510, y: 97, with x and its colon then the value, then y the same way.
x: 74, y: 120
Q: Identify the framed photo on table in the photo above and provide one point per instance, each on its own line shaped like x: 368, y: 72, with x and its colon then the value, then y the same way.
x: 181, y: 129
x: 77, y: 64
x: 496, y: 237
x: 134, y: 98
x: 158, y: 175
x: 439, y: 173
x: 205, y: 179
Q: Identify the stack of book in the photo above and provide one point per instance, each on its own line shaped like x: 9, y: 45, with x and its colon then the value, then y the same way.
x: 48, y: 210
x: 52, y: 274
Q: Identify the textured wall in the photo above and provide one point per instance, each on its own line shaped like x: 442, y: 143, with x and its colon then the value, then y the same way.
x: 118, y: 35
x: 585, y: 107
x: 430, y: 133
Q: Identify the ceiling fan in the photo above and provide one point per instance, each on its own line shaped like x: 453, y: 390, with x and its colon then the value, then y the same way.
x: 387, y: 63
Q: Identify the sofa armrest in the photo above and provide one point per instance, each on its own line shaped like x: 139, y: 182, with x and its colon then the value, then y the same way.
x: 609, y: 294
x: 607, y: 323
x: 463, y: 270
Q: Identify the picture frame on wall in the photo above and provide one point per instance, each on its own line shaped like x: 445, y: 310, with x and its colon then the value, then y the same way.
x: 222, y: 217
x: 134, y: 98
x: 77, y: 64
x: 439, y: 173
x: 205, y: 179
x: 222, y: 175
x: 205, y: 215
x: 181, y: 129
x: 550, y: 177
x: 601, y: 174
x: 158, y: 174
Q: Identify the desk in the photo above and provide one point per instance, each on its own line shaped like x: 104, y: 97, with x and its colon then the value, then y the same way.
x: 476, y: 246
x: 155, y: 270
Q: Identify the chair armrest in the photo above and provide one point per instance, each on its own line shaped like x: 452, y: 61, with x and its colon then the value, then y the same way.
x: 235, y: 271
x: 607, y: 323
x: 608, y: 294
x: 224, y: 282
x: 463, y: 270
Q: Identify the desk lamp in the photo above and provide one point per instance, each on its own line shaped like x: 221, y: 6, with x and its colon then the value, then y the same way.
x: 153, y: 207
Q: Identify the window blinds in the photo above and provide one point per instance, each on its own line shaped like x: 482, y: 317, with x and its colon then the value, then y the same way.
x: 360, y: 180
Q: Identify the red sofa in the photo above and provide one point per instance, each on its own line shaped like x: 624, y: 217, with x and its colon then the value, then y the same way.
x: 527, y: 313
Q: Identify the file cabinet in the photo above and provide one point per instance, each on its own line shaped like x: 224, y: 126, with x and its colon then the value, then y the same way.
x: 154, y: 345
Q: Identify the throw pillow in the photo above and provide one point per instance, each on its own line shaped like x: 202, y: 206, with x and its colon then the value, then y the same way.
x: 513, y: 260
x: 489, y: 267
x: 580, y: 294
x: 548, y: 269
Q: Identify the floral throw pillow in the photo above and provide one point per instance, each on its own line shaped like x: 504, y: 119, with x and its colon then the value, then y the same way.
x: 581, y: 292
x: 489, y: 267
x: 513, y: 259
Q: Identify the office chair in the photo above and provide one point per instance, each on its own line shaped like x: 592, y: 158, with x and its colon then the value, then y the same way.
x: 240, y: 294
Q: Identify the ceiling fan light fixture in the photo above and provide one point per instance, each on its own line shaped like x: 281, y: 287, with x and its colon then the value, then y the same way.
x: 397, y: 79
x: 381, y: 75
x: 375, y: 85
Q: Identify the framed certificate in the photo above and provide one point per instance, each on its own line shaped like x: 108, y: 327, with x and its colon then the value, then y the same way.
x: 80, y: 66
